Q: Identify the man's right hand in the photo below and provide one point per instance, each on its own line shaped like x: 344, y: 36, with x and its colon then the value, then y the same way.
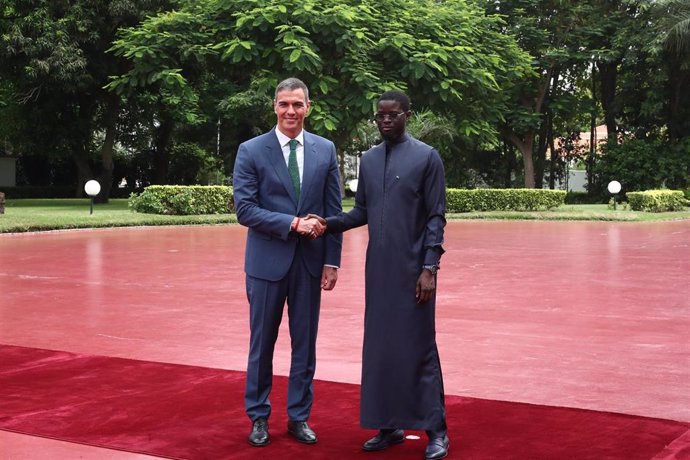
x: 310, y: 226
x: 319, y: 218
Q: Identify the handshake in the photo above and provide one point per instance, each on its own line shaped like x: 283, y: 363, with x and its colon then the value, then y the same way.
x: 312, y: 226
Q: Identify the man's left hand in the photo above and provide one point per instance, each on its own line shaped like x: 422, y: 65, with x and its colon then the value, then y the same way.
x: 329, y: 277
x: 426, y: 286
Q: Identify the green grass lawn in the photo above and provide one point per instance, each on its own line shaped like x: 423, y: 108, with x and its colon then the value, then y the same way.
x: 53, y: 214
x: 577, y: 212
x: 46, y: 214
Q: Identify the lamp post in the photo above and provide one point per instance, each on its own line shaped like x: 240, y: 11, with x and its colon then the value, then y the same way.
x: 614, y: 187
x: 92, y: 188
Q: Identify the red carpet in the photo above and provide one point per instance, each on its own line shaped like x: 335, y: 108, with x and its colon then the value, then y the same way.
x: 191, y: 412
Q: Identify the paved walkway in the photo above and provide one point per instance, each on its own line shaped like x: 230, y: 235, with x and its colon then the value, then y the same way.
x: 581, y: 314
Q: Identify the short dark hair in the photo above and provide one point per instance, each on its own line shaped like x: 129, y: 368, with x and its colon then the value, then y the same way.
x: 398, y: 96
x: 292, y: 84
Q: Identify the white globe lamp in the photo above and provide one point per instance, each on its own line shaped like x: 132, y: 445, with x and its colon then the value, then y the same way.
x: 614, y: 188
x: 92, y: 188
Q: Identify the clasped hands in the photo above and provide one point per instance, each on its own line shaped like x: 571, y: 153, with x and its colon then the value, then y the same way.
x: 312, y: 226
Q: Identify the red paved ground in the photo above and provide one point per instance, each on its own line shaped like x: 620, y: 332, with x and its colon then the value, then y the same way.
x: 582, y: 314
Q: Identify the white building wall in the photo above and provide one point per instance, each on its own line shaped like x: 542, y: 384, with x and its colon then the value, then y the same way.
x: 577, y: 180
x: 8, y: 172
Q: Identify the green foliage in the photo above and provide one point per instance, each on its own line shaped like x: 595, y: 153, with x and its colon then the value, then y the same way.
x: 190, y: 164
x: 674, y: 24
x: 436, y: 130
x: 581, y: 198
x: 183, y: 200
x: 459, y: 200
x: 644, y: 165
x: 54, y: 67
x: 447, y: 55
x: 657, y: 200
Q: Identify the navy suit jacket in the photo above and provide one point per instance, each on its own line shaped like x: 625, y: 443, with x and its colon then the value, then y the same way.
x: 266, y: 203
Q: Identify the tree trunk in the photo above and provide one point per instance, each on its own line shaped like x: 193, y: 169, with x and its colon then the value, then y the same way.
x: 107, y: 164
x: 526, y: 142
x: 525, y: 146
x: 340, y: 140
x: 84, y: 173
x: 592, y: 135
x: 540, y: 157
x: 529, y: 164
x: 81, y: 129
x: 608, y: 75
x: 677, y: 112
x: 511, y: 163
x: 162, y: 150
x: 553, y: 164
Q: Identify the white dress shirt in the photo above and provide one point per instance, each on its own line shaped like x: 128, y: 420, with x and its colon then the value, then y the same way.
x: 284, y: 142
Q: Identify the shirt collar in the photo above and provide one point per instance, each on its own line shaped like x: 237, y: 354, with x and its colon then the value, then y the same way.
x: 283, y: 139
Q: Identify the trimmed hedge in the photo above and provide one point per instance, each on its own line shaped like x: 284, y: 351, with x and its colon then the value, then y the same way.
x: 657, y: 200
x: 583, y: 198
x: 513, y: 199
x: 183, y: 200
x: 198, y: 199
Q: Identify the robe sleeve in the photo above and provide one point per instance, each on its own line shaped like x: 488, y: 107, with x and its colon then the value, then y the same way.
x: 435, y: 201
x: 357, y: 216
x: 334, y: 242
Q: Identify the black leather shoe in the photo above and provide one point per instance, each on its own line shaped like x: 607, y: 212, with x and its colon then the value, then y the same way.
x: 301, y: 432
x: 384, y: 440
x: 259, y: 436
x: 437, y: 448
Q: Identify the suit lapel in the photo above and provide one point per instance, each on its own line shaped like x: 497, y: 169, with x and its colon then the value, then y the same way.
x: 275, y: 156
x: 311, y: 158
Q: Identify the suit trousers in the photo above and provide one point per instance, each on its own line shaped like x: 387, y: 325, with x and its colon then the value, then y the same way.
x: 266, y: 300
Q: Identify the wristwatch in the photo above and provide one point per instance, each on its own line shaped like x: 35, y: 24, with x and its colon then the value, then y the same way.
x: 432, y: 268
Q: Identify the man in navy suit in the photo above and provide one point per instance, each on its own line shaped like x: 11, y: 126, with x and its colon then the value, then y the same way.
x: 278, y: 177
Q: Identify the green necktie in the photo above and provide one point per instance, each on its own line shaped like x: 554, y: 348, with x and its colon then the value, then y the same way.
x: 293, y: 169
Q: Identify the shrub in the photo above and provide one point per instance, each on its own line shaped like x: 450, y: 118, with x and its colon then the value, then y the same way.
x: 191, y: 164
x: 582, y: 198
x: 459, y: 200
x: 644, y: 164
x: 657, y: 200
x: 183, y: 200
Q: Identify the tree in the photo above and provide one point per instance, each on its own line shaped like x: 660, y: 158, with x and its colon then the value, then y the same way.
x: 551, y: 31
x: 54, y: 58
x: 448, y: 55
x: 673, y: 46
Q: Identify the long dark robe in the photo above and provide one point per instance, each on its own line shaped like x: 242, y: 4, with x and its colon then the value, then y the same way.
x: 401, y: 196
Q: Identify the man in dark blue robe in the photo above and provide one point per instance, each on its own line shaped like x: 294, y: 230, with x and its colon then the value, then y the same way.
x: 401, y: 197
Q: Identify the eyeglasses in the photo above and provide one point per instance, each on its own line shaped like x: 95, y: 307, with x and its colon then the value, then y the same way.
x: 392, y: 116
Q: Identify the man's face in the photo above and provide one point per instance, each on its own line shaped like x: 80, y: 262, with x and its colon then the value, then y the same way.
x: 391, y: 120
x: 291, y: 107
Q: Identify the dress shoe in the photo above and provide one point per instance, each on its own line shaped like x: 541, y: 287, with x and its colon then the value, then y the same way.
x: 301, y: 432
x: 384, y: 439
x: 259, y: 436
x: 437, y: 448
